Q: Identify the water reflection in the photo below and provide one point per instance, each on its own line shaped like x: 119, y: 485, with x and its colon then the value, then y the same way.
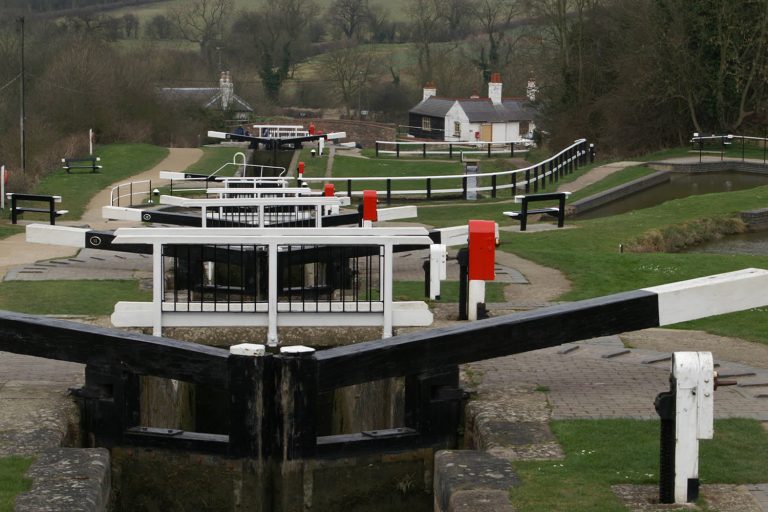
x: 679, y: 186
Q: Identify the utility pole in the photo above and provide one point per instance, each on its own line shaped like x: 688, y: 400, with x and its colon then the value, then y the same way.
x: 22, y: 112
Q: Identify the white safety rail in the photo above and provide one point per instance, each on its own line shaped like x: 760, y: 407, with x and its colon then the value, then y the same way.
x: 262, y: 211
x: 138, y: 192
x: 215, y: 278
x: 451, y: 148
x: 278, y: 130
x: 518, y: 179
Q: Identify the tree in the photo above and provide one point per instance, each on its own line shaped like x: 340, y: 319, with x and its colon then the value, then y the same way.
x: 201, y: 22
x: 427, y: 24
x: 350, y: 69
x: 273, y: 38
x: 495, y: 18
x: 349, y: 16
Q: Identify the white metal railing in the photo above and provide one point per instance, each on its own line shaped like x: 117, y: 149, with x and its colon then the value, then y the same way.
x: 459, y: 148
x: 128, y: 192
x: 720, y: 144
x: 529, y: 179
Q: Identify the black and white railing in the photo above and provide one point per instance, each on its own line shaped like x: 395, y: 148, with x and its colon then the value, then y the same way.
x: 528, y: 179
x: 730, y: 146
x: 451, y: 149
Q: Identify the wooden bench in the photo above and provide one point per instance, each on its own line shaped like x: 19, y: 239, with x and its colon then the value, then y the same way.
x: 88, y: 162
x: 17, y: 210
x: 554, y: 211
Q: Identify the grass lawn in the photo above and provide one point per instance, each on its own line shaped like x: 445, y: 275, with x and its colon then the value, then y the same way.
x: 119, y: 161
x: 7, y: 230
x: 598, y: 455
x: 213, y: 159
x: 88, y: 297
x: 12, y: 481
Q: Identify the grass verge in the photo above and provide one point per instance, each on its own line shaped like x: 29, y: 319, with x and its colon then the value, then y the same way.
x: 119, y: 161
x: 91, y: 297
x: 597, y: 455
x: 12, y: 481
x: 213, y: 159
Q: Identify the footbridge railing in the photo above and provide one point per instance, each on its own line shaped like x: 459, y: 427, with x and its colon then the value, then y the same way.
x: 274, y: 398
x: 731, y: 146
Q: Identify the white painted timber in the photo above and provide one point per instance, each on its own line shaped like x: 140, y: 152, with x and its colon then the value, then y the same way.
x: 455, y: 235
x: 217, y: 135
x: 711, y: 295
x: 172, y: 175
x: 141, y: 314
x: 694, y: 414
x: 476, y: 295
x: 397, y: 212
x: 121, y: 213
x: 56, y: 235
x: 438, y: 262
x: 256, y: 201
x: 296, y: 349
x: 248, y: 349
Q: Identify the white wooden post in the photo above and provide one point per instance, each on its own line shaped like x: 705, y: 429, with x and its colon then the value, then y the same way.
x: 204, y: 214
x: 386, y: 291
x: 694, y: 414
x: 476, y: 296
x: 90, y: 141
x: 2, y: 187
x: 272, y: 296
x: 437, y: 268
x: 157, y: 288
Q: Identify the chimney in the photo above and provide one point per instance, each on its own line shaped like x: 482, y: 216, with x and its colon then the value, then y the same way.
x: 531, y: 90
x: 494, y: 89
x: 429, y: 91
x: 227, y: 90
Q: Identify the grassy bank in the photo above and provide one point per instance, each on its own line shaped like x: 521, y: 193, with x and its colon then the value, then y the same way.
x: 94, y: 297
x: 597, y: 455
x: 119, y: 161
x: 12, y: 481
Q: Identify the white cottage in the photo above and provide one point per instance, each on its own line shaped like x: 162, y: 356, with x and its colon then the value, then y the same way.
x: 491, y: 119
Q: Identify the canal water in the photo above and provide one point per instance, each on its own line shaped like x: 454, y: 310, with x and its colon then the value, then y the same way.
x: 755, y: 243
x: 679, y: 186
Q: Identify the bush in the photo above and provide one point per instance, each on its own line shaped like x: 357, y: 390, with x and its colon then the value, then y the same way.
x: 681, y: 236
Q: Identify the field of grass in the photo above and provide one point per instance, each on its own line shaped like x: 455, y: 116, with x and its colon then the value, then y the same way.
x: 12, y: 481
x: 597, y: 455
x: 88, y: 297
x: 119, y: 161
x: 213, y: 159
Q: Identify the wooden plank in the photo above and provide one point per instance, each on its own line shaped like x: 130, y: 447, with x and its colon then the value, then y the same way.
x: 110, y: 348
x: 485, y: 339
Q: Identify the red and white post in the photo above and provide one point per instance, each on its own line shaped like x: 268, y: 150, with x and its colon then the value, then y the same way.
x: 482, y: 260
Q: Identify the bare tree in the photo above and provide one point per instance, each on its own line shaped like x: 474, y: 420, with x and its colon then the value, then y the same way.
x: 201, y: 22
x: 495, y: 18
x: 428, y: 22
x: 349, y: 16
x: 350, y: 68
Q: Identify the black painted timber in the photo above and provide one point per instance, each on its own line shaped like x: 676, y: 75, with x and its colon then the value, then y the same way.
x: 176, y: 440
x: 485, y: 339
x: 110, y: 348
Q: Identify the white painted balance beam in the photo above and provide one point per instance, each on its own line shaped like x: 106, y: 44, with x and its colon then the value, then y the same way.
x: 397, y: 212
x: 712, y: 295
x: 254, y: 201
x: 56, y: 235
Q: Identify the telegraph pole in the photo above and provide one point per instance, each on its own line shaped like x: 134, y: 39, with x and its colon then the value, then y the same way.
x: 22, y: 110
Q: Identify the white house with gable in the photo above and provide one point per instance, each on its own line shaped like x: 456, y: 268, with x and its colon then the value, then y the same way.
x: 491, y: 119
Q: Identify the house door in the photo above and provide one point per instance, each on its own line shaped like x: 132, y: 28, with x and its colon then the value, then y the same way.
x: 486, y: 132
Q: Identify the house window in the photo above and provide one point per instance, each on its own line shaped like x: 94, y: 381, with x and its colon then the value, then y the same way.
x: 456, y: 129
x: 426, y: 124
x: 524, y: 128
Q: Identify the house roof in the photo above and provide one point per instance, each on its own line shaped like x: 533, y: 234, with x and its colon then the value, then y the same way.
x: 208, y: 97
x: 478, y: 109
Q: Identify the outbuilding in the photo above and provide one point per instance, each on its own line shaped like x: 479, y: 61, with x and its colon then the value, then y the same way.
x: 491, y: 119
